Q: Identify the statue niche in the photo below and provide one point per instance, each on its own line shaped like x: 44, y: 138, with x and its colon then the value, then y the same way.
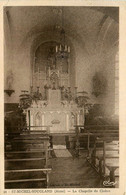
x: 54, y: 80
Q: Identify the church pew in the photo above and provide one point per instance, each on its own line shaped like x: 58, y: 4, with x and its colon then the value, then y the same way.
x: 103, y: 127
x: 99, y: 150
x: 88, y: 137
x: 105, y: 158
x: 91, y: 135
x: 29, y: 165
x: 81, y: 136
x: 104, y: 155
x: 111, y: 159
x: 102, y: 133
x: 31, y: 159
x: 42, y: 128
x: 95, y: 129
x: 32, y: 133
x: 29, y: 141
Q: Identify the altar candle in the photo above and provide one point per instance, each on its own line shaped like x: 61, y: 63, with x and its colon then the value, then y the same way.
x: 31, y: 81
x: 75, y: 92
x: 31, y: 78
x: 38, y: 76
x: 69, y: 49
x: 65, y: 47
x: 77, y: 119
x: 49, y: 71
x: 60, y: 47
x: 75, y: 89
x: 56, y: 48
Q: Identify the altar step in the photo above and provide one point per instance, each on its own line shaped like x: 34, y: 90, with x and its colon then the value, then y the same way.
x: 59, y: 147
x: 63, y: 141
x: 59, y: 142
x: 61, y: 153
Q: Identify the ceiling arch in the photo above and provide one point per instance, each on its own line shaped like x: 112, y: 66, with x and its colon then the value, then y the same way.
x: 81, y: 24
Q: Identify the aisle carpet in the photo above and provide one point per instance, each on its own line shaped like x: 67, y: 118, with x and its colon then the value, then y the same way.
x: 73, y: 173
x: 62, y: 153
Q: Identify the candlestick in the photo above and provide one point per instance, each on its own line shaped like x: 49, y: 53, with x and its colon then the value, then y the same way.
x: 31, y: 80
x: 60, y: 48
x: 58, y: 73
x: 31, y: 89
x: 69, y: 49
x: 56, y: 48
x: 75, y: 89
x: 65, y: 47
x: 49, y: 71
x: 38, y: 76
x: 69, y: 88
x: 37, y: 89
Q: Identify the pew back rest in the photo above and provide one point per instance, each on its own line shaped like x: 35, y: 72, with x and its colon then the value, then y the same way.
x: 111, y: 156
x: 27, y: 155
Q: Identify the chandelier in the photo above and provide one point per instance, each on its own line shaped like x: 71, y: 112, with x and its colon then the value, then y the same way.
x: 62, y: 49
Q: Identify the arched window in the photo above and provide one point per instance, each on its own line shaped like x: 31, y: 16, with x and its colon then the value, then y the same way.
x: 117, y: 84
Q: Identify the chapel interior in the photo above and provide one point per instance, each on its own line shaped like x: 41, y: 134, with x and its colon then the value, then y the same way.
x: 61, y: 97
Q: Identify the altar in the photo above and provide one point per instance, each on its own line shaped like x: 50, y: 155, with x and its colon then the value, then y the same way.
x: 53, y: 96
x: 60, y: 115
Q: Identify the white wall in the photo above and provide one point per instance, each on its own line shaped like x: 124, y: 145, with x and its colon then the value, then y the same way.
x: 86, y: 58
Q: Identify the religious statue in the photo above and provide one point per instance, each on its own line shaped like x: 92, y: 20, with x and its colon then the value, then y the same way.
x: 54, y: 80
x: 10, y: 79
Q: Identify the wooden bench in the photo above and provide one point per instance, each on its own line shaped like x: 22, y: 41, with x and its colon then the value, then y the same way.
x: 81, y: 137
x: 26, y: 158
x: 111, y: 159
x: 104, y: 156
x: 100, y: 152
x: 86, y: 135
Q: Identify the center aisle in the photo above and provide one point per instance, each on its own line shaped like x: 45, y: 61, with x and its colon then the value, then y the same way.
x: 73, y: 173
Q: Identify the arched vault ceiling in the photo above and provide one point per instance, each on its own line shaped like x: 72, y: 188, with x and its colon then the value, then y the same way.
x: 80, y: 23
x: 109, y: 11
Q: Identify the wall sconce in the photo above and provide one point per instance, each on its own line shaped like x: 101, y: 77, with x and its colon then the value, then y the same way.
x: 9, y: 91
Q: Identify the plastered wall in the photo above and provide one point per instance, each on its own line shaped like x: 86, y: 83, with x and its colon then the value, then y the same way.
x: 86, y: 60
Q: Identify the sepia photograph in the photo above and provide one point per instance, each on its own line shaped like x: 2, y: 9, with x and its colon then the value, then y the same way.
x: 61, y: 97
